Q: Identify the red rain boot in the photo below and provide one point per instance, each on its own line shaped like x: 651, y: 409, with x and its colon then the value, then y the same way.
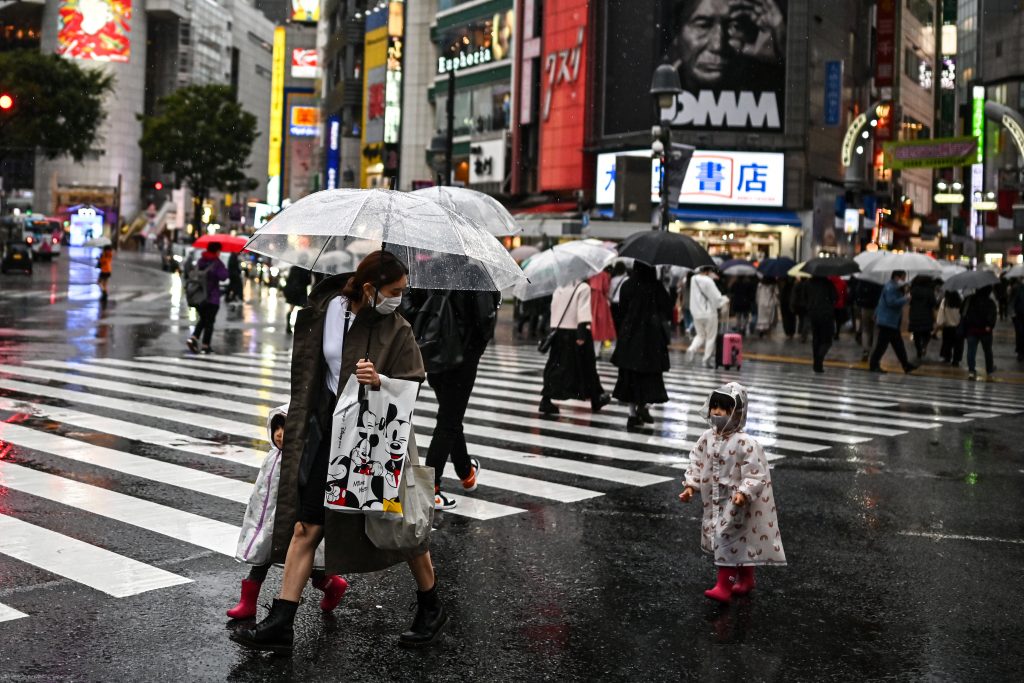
x: 723, y: 588
x: 246, y: 607
x: 745, y: 583
x: 334, y: 588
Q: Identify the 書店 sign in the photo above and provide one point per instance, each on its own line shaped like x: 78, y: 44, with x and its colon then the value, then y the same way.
x: 713, y: 177
x: 937, y: 153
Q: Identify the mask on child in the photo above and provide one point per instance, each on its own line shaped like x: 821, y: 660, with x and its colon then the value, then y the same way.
x: 389, y: 304
x: 719, y: 421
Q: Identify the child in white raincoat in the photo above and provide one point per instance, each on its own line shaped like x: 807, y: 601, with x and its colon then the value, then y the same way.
x: 257, y: 532
x: 740, y: 527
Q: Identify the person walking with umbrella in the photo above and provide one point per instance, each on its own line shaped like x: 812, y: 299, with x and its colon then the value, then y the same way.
x: 821, y: 312
x: 979, y: 319
x: 767, y: 305
x: 641, y: 354
x: 888, y: 316
x: 296, y: 291
x: 203, y: 291
x: 571, y: 369
x: 602, y: 327
x: 921, y: 318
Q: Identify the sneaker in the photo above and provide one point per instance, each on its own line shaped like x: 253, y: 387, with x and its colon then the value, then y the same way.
x: 469, y: 483
x: 547, y: 407
x: 443, y: 502
x: 600, y: 402
x: 193, y: 344
x: 972, y: 375
x: 206, y: 350
x: 633, y: 422
x: 645, y: 415
x: 879, y: 370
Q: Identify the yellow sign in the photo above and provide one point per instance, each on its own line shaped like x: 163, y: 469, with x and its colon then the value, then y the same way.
x: 306, y: 11
x: 375, y: 57
x: 277, y: 104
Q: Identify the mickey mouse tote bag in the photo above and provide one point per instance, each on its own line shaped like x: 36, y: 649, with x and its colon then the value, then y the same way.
x: 369, y: 444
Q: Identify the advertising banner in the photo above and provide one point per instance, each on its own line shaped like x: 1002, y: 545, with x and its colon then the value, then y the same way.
x: 305, y: 11
x: 937, y: 153
x: 731, y: 59
x: 563, y: 96
x: 94, y: 29
x: 713, y: 177
x: 375, y: 58
x: 332, y: 158
x: 833, y: 92
x: 304, y: 121
x: 486, y: 40
x: 304, y: 62
x: 885, y: 43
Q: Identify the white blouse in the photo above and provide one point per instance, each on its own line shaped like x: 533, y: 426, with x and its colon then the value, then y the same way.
x: 336, y: 325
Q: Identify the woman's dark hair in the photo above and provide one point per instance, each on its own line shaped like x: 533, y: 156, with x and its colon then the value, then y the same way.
x: 619, y: 269
x: 214, y: 247
x: 379, y: 268
x: 953, y: 299
x: 276, y: 422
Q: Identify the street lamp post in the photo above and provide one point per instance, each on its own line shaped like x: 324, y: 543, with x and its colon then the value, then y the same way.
x: 665, y: 86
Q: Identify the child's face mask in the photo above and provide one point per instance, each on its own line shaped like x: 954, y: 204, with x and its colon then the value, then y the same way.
x: 719, y: 421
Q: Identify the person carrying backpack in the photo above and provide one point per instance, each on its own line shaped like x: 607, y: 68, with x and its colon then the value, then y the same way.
x: 202, y: 291
x: 452, y: 329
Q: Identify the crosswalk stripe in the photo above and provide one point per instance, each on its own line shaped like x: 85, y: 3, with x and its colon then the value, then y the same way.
x: 482, y: 510
x: 138, y: 432
x: 196, y: 419
x: 152, y: 296
x: 126, y: 463
x: 161, y: 519
x: 81, y: 562
x: 537, y: 488
x: 204, y: 364
x: 10, y: 614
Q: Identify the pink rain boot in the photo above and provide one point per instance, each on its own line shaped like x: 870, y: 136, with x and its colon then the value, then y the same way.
x: 745, y: 583
x: 246, y: 607
x: 723, y: 588
x: 334, y: 588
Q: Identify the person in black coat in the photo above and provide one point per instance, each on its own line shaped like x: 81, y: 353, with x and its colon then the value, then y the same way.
x: 296, y: 291
x: 641, y: 353
x: 979, y: 319
x: 865, y: 297
x: 742, y: 296
x: 820, y: 295
x: 786, y: 306
x: 921, y: 321
x: 235, y: 292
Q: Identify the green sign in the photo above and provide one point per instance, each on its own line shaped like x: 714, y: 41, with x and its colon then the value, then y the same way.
x: 978, y: 121
x: 937, y: 153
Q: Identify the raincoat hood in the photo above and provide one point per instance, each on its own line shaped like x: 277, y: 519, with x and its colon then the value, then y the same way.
x: 738, y: 419
x: 274, y: 412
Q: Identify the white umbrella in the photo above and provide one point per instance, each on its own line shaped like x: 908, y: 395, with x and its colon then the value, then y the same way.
x: 913, y: 264
x: 524, y: 252
x: 740, y: 270
x: 97, y: 242
x: 951, y: 269
x: 482, y: 209
x: 442, y: 248
x: 1015, y: 272
x: 866, y: 258
x: 561, y: 265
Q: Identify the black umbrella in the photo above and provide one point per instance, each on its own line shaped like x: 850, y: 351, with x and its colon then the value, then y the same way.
x: 776, y: 267
x: 663, y: 248
x: 826, y: 267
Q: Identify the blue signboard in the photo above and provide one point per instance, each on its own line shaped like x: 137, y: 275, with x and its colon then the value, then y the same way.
x: 333, y: 156
x: 833, y: 92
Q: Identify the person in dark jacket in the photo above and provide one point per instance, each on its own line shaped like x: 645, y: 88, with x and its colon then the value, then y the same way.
x: 296, y: 292
x: 786, y: 306
x: 798, y: 304
x: 209, y: 262
x: 476, y: 314
x: 979, y: 319
x: 821, y: 299
x: 866, y: 295
x: 641, y: 354
x: 236, y: 289
x: 742, y: 295
x: 921, y: 320
x: 888, y: 317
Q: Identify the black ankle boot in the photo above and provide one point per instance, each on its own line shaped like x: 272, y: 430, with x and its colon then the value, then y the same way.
x: 273, y: 634
x: 429, y: 620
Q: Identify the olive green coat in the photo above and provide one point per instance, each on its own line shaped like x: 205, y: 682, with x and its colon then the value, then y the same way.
x: 394, y: 352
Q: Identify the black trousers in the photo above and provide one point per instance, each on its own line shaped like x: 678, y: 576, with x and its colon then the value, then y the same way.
x: 921, y: 339
x: 952, y: 350
x: 452, y: 388
x: 822, y: 331
x: 887, y: 336
x: 788, y: 321
x: 207, y: 316
x: 1018, y: 329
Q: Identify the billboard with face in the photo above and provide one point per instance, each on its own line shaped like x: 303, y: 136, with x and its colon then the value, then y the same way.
x: 730, y: 55
x: 94, y: 29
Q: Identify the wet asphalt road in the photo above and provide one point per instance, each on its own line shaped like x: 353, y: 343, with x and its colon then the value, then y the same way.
x: 905, y: 551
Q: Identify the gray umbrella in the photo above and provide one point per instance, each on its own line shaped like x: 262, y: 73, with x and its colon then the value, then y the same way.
x: 971, y: 281
x: 442, y: 248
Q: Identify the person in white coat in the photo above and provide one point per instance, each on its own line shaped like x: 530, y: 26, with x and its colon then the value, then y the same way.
x: 705, y: 301
x: 257, y: 531
x: 571, y: 370
x: 740, y: 526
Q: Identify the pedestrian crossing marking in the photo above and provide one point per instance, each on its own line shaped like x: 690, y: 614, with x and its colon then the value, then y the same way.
x: 10, y: 614
x: 81, y: 562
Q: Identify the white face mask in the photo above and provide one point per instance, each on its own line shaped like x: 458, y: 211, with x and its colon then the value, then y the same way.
x: 389, y: 304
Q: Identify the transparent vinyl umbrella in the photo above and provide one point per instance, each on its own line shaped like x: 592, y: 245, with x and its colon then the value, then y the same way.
x: 561, y: 265
x: 442, y: 248
x: 913, y: 264
x: 482, y: 209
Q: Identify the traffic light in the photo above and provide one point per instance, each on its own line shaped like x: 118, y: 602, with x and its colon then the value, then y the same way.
x: 158, y: 185
x: 6, y: 102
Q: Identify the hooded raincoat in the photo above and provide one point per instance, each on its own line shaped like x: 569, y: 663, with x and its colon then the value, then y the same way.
x: 724, y: 463
x: 257, y: 534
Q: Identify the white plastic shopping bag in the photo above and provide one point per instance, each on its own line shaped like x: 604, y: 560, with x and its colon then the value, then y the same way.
x: 369, y: 443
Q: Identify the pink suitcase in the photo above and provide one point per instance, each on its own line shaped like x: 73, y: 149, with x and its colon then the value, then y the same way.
x: 731, y: 351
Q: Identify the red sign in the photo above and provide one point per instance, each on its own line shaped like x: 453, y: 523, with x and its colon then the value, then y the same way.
x: 304, y: 63
x: 885, y: 43
x: 563, y: 94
